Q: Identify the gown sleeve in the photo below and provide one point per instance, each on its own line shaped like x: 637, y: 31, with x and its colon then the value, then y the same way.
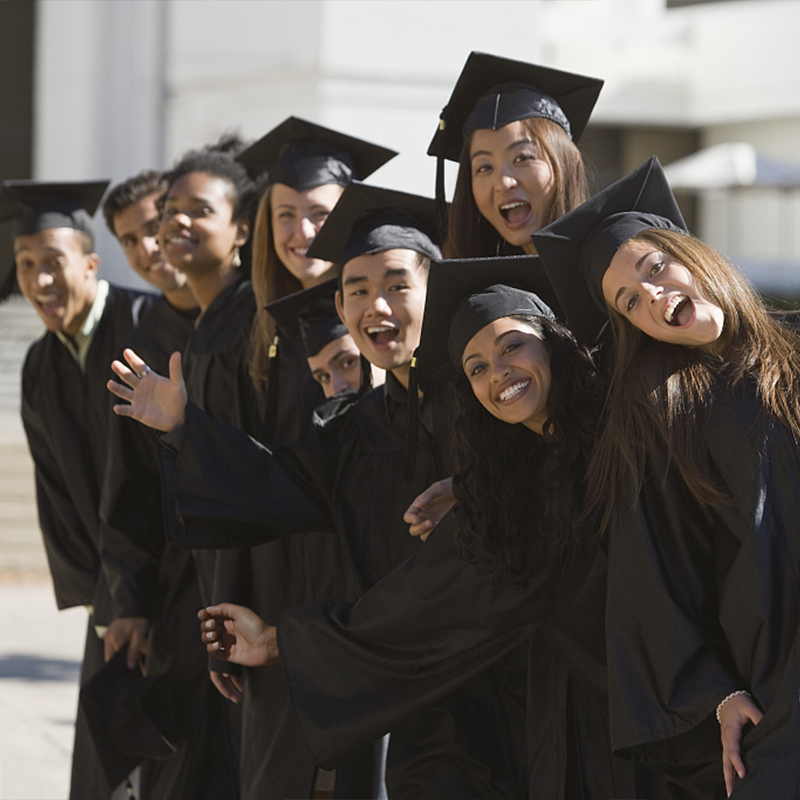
x: 355, y: 670
x: 223, y: 489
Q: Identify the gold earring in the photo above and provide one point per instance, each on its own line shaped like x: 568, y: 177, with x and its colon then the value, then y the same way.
x: 237, y: 262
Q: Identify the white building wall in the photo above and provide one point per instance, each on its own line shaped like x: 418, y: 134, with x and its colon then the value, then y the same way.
x: 133, y: 83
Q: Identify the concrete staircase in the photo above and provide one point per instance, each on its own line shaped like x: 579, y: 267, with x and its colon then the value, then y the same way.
x: 21, y: 551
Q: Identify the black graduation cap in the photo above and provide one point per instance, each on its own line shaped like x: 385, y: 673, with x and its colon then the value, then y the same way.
x: 493, y: 91
x: 466, y: 294
x: 37, y: 206
x: 310, y: 315
x: 126, y: 713
x: 370, y: 219
x: 304, y: 155
x: 577, y: 248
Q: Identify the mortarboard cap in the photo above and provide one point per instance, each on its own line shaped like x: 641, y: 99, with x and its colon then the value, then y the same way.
x: 493, y: 91
x: 38, y: 206
x: 465, y: 295
x: 126, y: 713
x: 310, y: 315
x: 370, y: 219
x: 577, y: 248
x: 305, y: 155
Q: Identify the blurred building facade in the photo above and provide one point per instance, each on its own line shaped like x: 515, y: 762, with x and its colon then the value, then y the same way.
x: 112, y: 87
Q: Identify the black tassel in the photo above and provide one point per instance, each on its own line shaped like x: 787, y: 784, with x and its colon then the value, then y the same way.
x: 271, y: 415
x: 366, y: 376
x: 441, y: 199
x: 412, y: 433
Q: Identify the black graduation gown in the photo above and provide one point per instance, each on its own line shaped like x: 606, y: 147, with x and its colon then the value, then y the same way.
x: 65, y: 413
x: 347, y: 478
x: 354, y: 670
x: 703, y: 602
x: 272, y: 577
x: 149, y: 577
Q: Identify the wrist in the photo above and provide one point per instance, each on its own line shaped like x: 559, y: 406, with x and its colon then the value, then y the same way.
x: 730, y: 697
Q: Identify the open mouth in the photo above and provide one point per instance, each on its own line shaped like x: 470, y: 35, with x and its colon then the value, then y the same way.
x: 512, y: 391
x: 515, y: 212
x: 382, y: 334
x: 678, y: 311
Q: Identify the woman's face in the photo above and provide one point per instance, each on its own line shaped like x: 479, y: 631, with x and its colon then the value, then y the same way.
x: 508, y: 366
x: 512, y: 182
x: 296, y: 219
x: 197, y: 234
x: 659, y: 296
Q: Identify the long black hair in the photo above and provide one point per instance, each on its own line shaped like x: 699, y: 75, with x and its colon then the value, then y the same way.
x: 516, y: 489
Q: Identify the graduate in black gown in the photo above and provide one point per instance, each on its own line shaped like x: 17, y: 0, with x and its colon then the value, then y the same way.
x: 521, y: 557
x: 64, y: 410
x: 696, y: 469
x: 348, y: 478
x: 308, y: 166
x: 155, y: 594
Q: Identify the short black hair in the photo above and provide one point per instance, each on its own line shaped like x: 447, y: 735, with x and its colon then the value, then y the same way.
x: 131, y: 191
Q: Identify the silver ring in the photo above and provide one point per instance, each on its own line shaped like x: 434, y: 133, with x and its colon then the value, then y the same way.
x: 144, y: 372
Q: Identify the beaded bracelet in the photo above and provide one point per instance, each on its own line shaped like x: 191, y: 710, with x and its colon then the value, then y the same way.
x: 732, y: 694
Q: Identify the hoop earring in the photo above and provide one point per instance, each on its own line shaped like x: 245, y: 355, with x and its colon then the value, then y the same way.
x: 237, y: 261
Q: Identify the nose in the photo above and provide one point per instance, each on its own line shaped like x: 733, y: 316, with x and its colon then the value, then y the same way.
x: 149, y: 245
x: 652, y: 291
x: 44, y: 277
x: 380, y: 306
x: 499, y: 370
x: 307, y: 229
x: 339, y: 384
x: 506, y: 180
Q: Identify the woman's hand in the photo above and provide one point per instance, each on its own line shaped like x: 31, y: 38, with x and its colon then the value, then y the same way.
x: 229, y: 686
x: 735, y: 713
x: 430, y: 508
x: 152, y: 399
x: 130, y: 631
x: 238, y: 635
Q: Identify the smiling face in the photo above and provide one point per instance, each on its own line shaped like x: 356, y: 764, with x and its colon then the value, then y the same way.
x: 197, y: 234
x: 136, y: 228
x: 337, y: 367
x: 381, y: 303
x: 513, y: 183
x: 508, y: 367
x: 658, y: 295
x: 296, y: 219
x: 57, y: 277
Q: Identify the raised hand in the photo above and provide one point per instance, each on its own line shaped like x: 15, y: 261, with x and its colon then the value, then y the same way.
x: 429, y: 508
x: 153, y: 400
x: 238, y: 635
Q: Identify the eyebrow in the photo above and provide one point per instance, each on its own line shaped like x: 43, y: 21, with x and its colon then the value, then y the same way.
x: 510, y: 147
x: 623, y: 289
x: 395, y: 272
x: 496, y: 342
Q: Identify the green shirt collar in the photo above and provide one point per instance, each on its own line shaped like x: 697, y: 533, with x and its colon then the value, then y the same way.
x: 83, y: 340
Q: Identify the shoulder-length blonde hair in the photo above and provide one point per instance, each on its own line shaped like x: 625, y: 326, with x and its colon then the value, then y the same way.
x: 271, y: 281
x: 469, y: 235
x: 660, y: 394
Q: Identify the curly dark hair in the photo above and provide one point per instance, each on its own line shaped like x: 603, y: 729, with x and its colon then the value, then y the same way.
x: 219, y: 159
x: 510, y: 481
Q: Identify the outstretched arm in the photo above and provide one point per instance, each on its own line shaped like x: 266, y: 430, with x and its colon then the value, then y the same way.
x: 238, y: 635
x: 153, y: 400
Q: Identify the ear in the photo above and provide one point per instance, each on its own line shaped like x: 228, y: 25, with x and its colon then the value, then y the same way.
x: 92, y: 264
x: 242, y: 233
x: 337, y: 299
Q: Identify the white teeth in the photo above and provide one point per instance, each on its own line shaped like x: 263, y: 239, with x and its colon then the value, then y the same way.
x: 300, y: 252
x: 509, y: 206
x: 671, y: 306
x: 513, y: 390
x: 380, y: 329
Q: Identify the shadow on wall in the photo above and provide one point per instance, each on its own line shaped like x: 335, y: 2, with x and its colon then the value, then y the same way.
x: 33, y: 668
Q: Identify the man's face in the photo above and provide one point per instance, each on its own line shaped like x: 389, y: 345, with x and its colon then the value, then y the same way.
x: 57, y: 277
x: 381, y: 303
x: 136, y: 227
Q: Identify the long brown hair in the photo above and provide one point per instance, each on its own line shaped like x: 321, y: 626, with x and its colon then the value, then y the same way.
x: 271, y: 281
x: 660, y: 395
x: 469, y: 235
